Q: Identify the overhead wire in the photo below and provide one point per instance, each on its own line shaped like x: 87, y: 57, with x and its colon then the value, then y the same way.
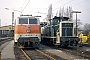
x: 70, y: 2
x: 79, y: 3
x: 64, y: 4
x: 57, y: 2
x: 47, y: 8
x: 86, y: 9
x: 60, y: 6
x: 73, y: 5
x: 53, y: 4
x: 25, y: 6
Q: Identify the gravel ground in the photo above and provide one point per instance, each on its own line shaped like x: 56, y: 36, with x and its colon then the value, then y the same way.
x: 18, y: 54
x: 54, y: 56
x: 34, y: 55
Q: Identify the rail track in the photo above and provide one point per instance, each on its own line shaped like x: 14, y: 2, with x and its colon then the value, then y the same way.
x: 77, y: 52
x: 3, y: 40
x: 18, y: 54
x: 35, y: 54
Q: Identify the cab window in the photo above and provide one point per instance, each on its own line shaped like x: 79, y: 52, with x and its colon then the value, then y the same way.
x: 32, y: 21
x: 23, y: 20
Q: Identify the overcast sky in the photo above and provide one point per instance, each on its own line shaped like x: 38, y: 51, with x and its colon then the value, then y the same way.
x: 35, y: 6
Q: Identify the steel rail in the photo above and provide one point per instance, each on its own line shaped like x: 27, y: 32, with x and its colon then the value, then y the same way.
x: 45, y: 54
x: 77, y: 53
x: 27, y: 57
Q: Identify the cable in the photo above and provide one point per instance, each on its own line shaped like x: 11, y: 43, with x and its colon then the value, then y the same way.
x: 53, y: 4
x: 26, y: 6
x: 86, y: 9
x: 64, y: 4
x: 57, y: 2
x: 36, y: 8
x: 79, y: 3
x: 23, y: 4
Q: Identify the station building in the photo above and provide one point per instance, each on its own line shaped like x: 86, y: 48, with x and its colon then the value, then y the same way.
x: 7, y: 31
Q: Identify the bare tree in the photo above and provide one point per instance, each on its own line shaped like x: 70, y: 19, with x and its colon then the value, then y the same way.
x: 60, y: 12
x: 57, y: 13
x: 49, y: 16
x: 87, y: 28
x: 79, y: 23
x: 66, y: 12
x: 70, y: 13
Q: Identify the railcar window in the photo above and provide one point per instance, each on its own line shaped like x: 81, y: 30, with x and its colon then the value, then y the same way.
x: 23, y: 20
x: 32, y: 21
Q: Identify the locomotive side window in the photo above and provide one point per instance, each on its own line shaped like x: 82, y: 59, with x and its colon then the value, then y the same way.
x: 32, y: 21
x: 55, y: 21
x: 23, y: 20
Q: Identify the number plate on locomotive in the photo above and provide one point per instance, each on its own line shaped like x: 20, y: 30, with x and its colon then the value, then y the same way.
x: 27, y: 30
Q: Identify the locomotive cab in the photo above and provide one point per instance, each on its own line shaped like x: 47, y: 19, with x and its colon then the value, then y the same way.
x: 27, y: 31
x: 62, y: 32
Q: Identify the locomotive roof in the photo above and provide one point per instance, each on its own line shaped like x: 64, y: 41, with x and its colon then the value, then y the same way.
x: 21, y: 16
x: 61, y: 17
x: 66, y: 21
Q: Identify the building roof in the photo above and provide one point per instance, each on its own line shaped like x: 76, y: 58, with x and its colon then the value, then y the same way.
x: 8, y: 27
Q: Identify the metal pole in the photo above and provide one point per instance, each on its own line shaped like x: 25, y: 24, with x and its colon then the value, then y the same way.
x: 76, y: 19
x: 0, y: 55
x: 12, y: 23
x: 76, y: 23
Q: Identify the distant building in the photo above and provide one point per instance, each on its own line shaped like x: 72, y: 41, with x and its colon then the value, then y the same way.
x: 7, y: 31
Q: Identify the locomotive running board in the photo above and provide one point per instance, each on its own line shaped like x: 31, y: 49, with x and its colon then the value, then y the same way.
x: 48, y: 36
